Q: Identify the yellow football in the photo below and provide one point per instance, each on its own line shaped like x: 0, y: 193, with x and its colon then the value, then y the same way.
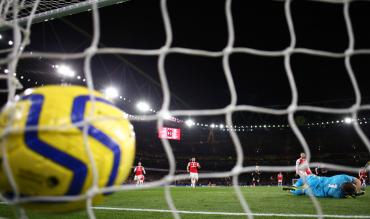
x: 47, y: 151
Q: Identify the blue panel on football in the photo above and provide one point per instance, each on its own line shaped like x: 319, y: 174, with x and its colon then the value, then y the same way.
x: 78, y: 112
x: 33, y: 141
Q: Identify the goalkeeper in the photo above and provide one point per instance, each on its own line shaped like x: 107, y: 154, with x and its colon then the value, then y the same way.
x: 338, y: 186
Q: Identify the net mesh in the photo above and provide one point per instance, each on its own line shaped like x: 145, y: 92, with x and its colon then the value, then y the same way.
x: 21, y: 38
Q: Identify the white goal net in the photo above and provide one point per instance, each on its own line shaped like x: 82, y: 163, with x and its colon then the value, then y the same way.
x: 25, y: 11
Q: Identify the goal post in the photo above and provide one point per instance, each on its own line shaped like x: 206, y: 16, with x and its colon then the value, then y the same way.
x: 48, y: 10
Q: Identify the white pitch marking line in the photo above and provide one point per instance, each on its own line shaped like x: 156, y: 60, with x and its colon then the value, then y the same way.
x: 232, y: 213
x: 228, y: 213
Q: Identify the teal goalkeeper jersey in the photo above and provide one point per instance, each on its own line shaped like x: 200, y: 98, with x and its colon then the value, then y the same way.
x: 324, y: 186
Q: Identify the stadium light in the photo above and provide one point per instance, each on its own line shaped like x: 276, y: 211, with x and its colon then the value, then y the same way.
x: 143, y: 106
x: 221, y: 126
x: 348, y: 120
x: 212, y: 125
x: 189, y: 122
x: 65, y: 70
x: 28, y: 91
x: 111, y: 92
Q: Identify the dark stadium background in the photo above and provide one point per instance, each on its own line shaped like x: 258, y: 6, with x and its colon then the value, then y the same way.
x: 199, y: 82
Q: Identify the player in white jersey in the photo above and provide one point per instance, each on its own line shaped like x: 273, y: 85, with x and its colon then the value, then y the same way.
x: 192, y: 168
x: 301, y: 166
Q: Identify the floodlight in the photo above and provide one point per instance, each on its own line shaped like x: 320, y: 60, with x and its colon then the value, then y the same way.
x: 65, y: 70
x: 10, y: 42
x: 111, y: 92
x: 189, y: 122
x: 348, y: 120
x: 28, y: 91
x: 143, y: 106
x: 221, y: 126
x: 212, y: 125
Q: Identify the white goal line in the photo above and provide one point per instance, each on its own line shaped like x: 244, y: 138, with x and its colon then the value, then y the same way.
x: 230, y: 213
x: 224, y: 213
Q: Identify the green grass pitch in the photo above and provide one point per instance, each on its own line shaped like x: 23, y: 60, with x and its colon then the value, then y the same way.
x: 212, y: 199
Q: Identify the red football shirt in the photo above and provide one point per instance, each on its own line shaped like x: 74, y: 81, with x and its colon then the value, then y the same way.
x: 138, y: 170
x: 280, y: 177
x: 193, y: 167
x: 302, y: 161
x: 363, y: 174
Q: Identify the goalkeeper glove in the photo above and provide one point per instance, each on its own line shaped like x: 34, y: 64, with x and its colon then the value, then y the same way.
x: 290, y: 188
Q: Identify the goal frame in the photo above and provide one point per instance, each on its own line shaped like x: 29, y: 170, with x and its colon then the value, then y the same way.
x: 64, y: 11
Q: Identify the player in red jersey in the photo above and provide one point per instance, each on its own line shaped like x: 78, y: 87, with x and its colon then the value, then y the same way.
x: 362, y: 175
x: 301, y: 166
x: 139, y: 174
x: 280, y: 179
x: 192, y: 168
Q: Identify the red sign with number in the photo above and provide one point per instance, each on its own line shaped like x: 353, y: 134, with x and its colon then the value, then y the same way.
x: 169, y: 133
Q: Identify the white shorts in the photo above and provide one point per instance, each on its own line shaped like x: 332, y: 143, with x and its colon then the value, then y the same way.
x: 194, y: 176
x: 302, y: 173
x: 138, y: 177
